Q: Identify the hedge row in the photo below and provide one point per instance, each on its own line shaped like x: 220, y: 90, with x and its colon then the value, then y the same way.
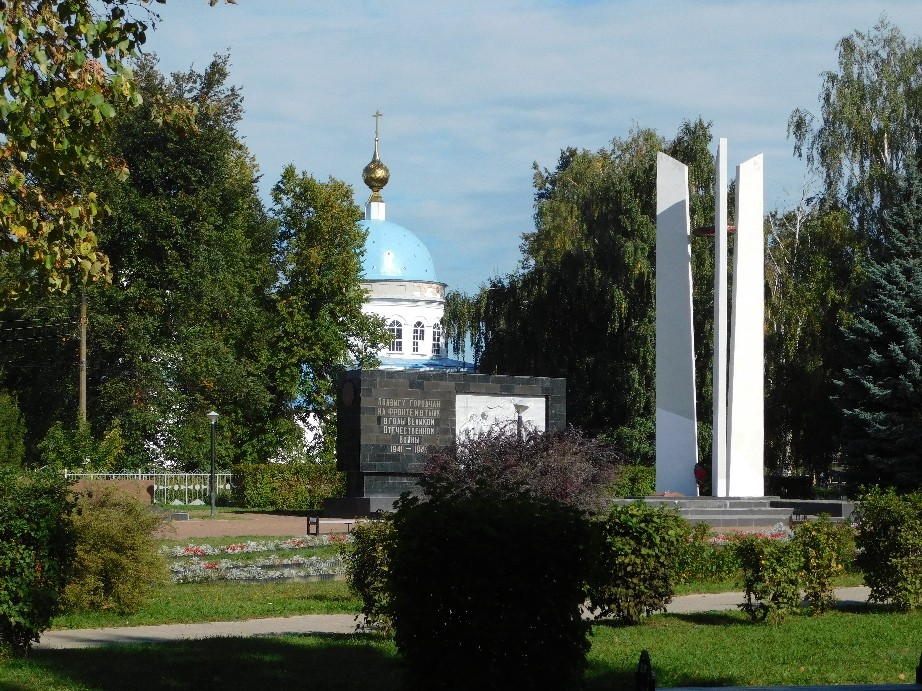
x: 285, y: 486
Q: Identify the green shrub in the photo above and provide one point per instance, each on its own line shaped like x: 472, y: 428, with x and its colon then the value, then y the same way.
x: 771, y: 577
x: 561, y: 465
x: 826, y: 550
x: 285, y: 486
x: 701, y: 560
x: 12, y: 431
x: 36, y: 548
x: 637, y: 567
x: 367, y: 562
x: 486, y: 585
x: 635, y: 481
x: 117, y: 562
x: 889, y: 542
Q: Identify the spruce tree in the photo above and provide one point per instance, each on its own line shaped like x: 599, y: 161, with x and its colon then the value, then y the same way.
x: 881, y: 387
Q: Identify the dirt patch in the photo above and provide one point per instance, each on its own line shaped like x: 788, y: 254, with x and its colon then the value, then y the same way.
x: 270, y: 525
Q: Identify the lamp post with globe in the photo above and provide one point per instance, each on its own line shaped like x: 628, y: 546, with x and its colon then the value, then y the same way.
x: 213, y: 417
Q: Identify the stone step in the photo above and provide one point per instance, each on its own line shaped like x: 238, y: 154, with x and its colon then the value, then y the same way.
x: 740, y: 521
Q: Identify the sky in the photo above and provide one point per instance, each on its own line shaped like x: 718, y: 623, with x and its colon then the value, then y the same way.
x: 472, y: 93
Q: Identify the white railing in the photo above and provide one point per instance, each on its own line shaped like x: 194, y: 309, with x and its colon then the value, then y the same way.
x: 175, y: 489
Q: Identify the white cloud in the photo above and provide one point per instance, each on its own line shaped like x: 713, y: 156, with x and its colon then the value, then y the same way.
x: 473, y: 92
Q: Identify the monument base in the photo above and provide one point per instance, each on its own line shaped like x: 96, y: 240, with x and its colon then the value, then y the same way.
x: 388, y: 420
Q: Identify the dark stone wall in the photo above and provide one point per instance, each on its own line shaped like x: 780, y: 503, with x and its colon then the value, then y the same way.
x: 387, y: 419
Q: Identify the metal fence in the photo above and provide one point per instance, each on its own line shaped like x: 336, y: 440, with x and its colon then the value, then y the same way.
x: 174, y: 489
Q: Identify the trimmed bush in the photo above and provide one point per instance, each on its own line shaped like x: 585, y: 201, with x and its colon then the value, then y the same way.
x: 561, y: 465
x: 285, y: 486
x: 889, y: 542
x: 486, y: 587
x: 635, y: 481
x: 703, y: 561
x: 36, y: 548
x: 637, y: 567
x: 368, y: 565
x: 826, y: 550
x: 771, y: 577
x: 117, y: 562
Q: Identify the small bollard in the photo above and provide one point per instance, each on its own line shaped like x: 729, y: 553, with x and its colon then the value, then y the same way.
x: 645, y: 677
x: 919, y: 672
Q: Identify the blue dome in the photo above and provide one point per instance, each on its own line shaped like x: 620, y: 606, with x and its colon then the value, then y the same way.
x: 393, y: 253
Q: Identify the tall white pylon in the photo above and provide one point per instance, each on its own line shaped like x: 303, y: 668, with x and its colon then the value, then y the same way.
x: 746, y: 416
x: 719, y: 470
x: 676, y: 423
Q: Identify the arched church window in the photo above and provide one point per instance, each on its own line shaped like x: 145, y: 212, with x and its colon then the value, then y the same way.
x: 396, y: 330
x: 419, y: 335
x: 437, y: 338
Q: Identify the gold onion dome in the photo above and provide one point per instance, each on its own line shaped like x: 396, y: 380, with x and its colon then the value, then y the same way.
x: 375, y: 175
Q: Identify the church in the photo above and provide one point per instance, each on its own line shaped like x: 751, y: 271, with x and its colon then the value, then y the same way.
x: 400, y: 280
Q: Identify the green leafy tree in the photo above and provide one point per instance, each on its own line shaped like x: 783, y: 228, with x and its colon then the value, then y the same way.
x: 64, y: 75
x: 881, y: 387
x: 78, y: 451
x: 214, y: 303
x: 186, y: 324
x: 12, y: 431
x: 319, y: 298
x: 591, y: 258
x: 811, y: 269
x: 870, y: 122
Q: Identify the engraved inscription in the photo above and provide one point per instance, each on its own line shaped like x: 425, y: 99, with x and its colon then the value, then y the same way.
x: 410, y: 421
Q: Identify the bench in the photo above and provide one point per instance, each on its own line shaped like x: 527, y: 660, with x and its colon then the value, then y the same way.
x: 645, y: 680
x: 314, y: 523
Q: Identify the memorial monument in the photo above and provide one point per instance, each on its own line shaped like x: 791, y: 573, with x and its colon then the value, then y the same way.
x: 737, y: 459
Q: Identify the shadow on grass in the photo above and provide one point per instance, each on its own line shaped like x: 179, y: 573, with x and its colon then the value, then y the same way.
x: 291, y: 662
x: 602, y: 677
x: 712, y: 618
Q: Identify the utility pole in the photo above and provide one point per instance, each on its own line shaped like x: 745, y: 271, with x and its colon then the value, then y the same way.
x: 82, y: 402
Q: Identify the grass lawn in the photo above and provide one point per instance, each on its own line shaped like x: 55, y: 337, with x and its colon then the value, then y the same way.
x: 863, y: 645
x: 224, y: 601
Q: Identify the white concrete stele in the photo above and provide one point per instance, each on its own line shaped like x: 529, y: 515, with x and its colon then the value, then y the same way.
x: 746, y: 417
x: 719, y: 469
x: 676, y: 426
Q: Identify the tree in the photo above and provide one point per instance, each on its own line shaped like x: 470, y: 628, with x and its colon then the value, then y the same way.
x: 187, y: 324
x: 880, y: 393
x: 322, y: 328
x: 65, y: 72
x: 582, y: 306
x: 870, y: 122
x: 811, y: 268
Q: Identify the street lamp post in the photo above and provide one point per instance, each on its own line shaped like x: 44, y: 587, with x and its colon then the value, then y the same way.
x: 213, y: 417
x: 519, y: 409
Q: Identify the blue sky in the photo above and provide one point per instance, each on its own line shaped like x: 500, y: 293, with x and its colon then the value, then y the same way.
x: 473, y: 92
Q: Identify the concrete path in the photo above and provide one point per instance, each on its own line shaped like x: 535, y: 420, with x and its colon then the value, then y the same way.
x: 327, y: 623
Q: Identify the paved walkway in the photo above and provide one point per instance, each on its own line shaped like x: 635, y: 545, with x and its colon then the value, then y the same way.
x: 327, y: 623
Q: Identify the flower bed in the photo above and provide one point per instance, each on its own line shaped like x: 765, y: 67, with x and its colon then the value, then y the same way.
x: 778, y: 532
x: 190, y: 563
